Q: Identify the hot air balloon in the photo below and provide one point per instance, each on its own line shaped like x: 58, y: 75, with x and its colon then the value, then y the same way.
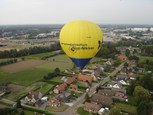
x: 81, y: 40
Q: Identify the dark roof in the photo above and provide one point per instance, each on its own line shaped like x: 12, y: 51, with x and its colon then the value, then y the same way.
x: 100, y: 99
x: 121, y: 77
x: 106, y: 92
x: 63, y: 95
x: 91, y: 107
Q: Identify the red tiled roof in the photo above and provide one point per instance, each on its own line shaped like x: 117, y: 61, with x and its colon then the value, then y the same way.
x: 62, y: 87
x: 84, y: 77
x: 123, y: 57
x: 70, y: 80
x: 73, y: 86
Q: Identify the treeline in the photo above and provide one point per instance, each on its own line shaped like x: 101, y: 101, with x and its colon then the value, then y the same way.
x: 53, y: 74
x: 28, y: 51
x: 108, y: 50
x: 8, y: 62
x: 147, y: 50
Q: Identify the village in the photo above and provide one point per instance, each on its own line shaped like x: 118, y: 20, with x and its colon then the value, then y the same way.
x: 40, y: 79
x: 109, y: 88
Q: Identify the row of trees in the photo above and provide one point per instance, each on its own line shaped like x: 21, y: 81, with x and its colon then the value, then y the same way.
x: 8, y: 62
x: 108, y: 50
x: 147, y: 50
x: 53, y: 74
x: 28, y: 51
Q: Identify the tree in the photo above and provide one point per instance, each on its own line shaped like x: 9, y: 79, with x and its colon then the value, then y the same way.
x: 126, y: 64
x: 145, y: 108
x: 147, y: 82
x: 57, y: 71
x: 141, y: 94
x: 127, y: 52
x: 115, y: 111
x: 87, y: 98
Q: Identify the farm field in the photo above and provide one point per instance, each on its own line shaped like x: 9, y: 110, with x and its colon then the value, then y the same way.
x: 18, y: 91
x: 30, y: 71
x: 22, y: 65
x: 143, y: 58
x: 60, y: 61
x: 46, y: 88
x: 25, y: 78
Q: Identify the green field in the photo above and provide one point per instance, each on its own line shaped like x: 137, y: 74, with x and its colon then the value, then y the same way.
x: 38, y: 56
x: 45, y: 88
x: 25, y: 77
x: 81, y: 111
x: 32, y: 75
x: 57, y: 80
x: 127, y: 108
x: 57, y: 109
x: 60, y: 61
x: 143, y: 58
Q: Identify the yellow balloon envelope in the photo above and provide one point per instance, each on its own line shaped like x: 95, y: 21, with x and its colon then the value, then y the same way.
x: 81, y: 40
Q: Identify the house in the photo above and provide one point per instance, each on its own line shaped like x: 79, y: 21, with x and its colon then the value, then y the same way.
x: 106, y: 92
x: 114, y: 84
x: 132, y: 63
x: 3, y: 89
x: 54, y: 102
x: 73, y: 86
x: 141, y: 69
x: 91, y: 107
x: 122, y: 57
x: 109, y: 62
x: 98, y: 71
x: 118, y: 90
x: 120, y: 96
x: 121, y: 77
x: 59, y: 88
x: 100, y: 99
x: 123, y: 82
x: 44, y: 99
x: 85, y: 78
x: 103, y: 111
x: 71, y: 80
x: 64, y: 97
x: 130, y: 74
x: 33, y: 97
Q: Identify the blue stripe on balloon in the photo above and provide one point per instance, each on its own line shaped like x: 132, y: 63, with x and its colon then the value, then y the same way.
x: 80, y: 62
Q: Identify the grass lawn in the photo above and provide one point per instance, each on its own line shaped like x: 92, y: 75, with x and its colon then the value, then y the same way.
x: 38, y: 56
x: 25, y: 77
x: 45, y: 88
x: 20, y: 91
x: 27, y: 112
x: 57, y: 109
x: 56, y: 79
x: 81, y: 111
x: 61, y: 58
x: 95, y: 59
x: 143, y: 58
x: 81, y: 84
x: 60, y: 61
x: 127, y: 108
x: 52, y: 95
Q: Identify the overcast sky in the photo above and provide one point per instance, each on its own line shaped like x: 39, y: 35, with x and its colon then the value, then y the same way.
x: 63, y: 11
